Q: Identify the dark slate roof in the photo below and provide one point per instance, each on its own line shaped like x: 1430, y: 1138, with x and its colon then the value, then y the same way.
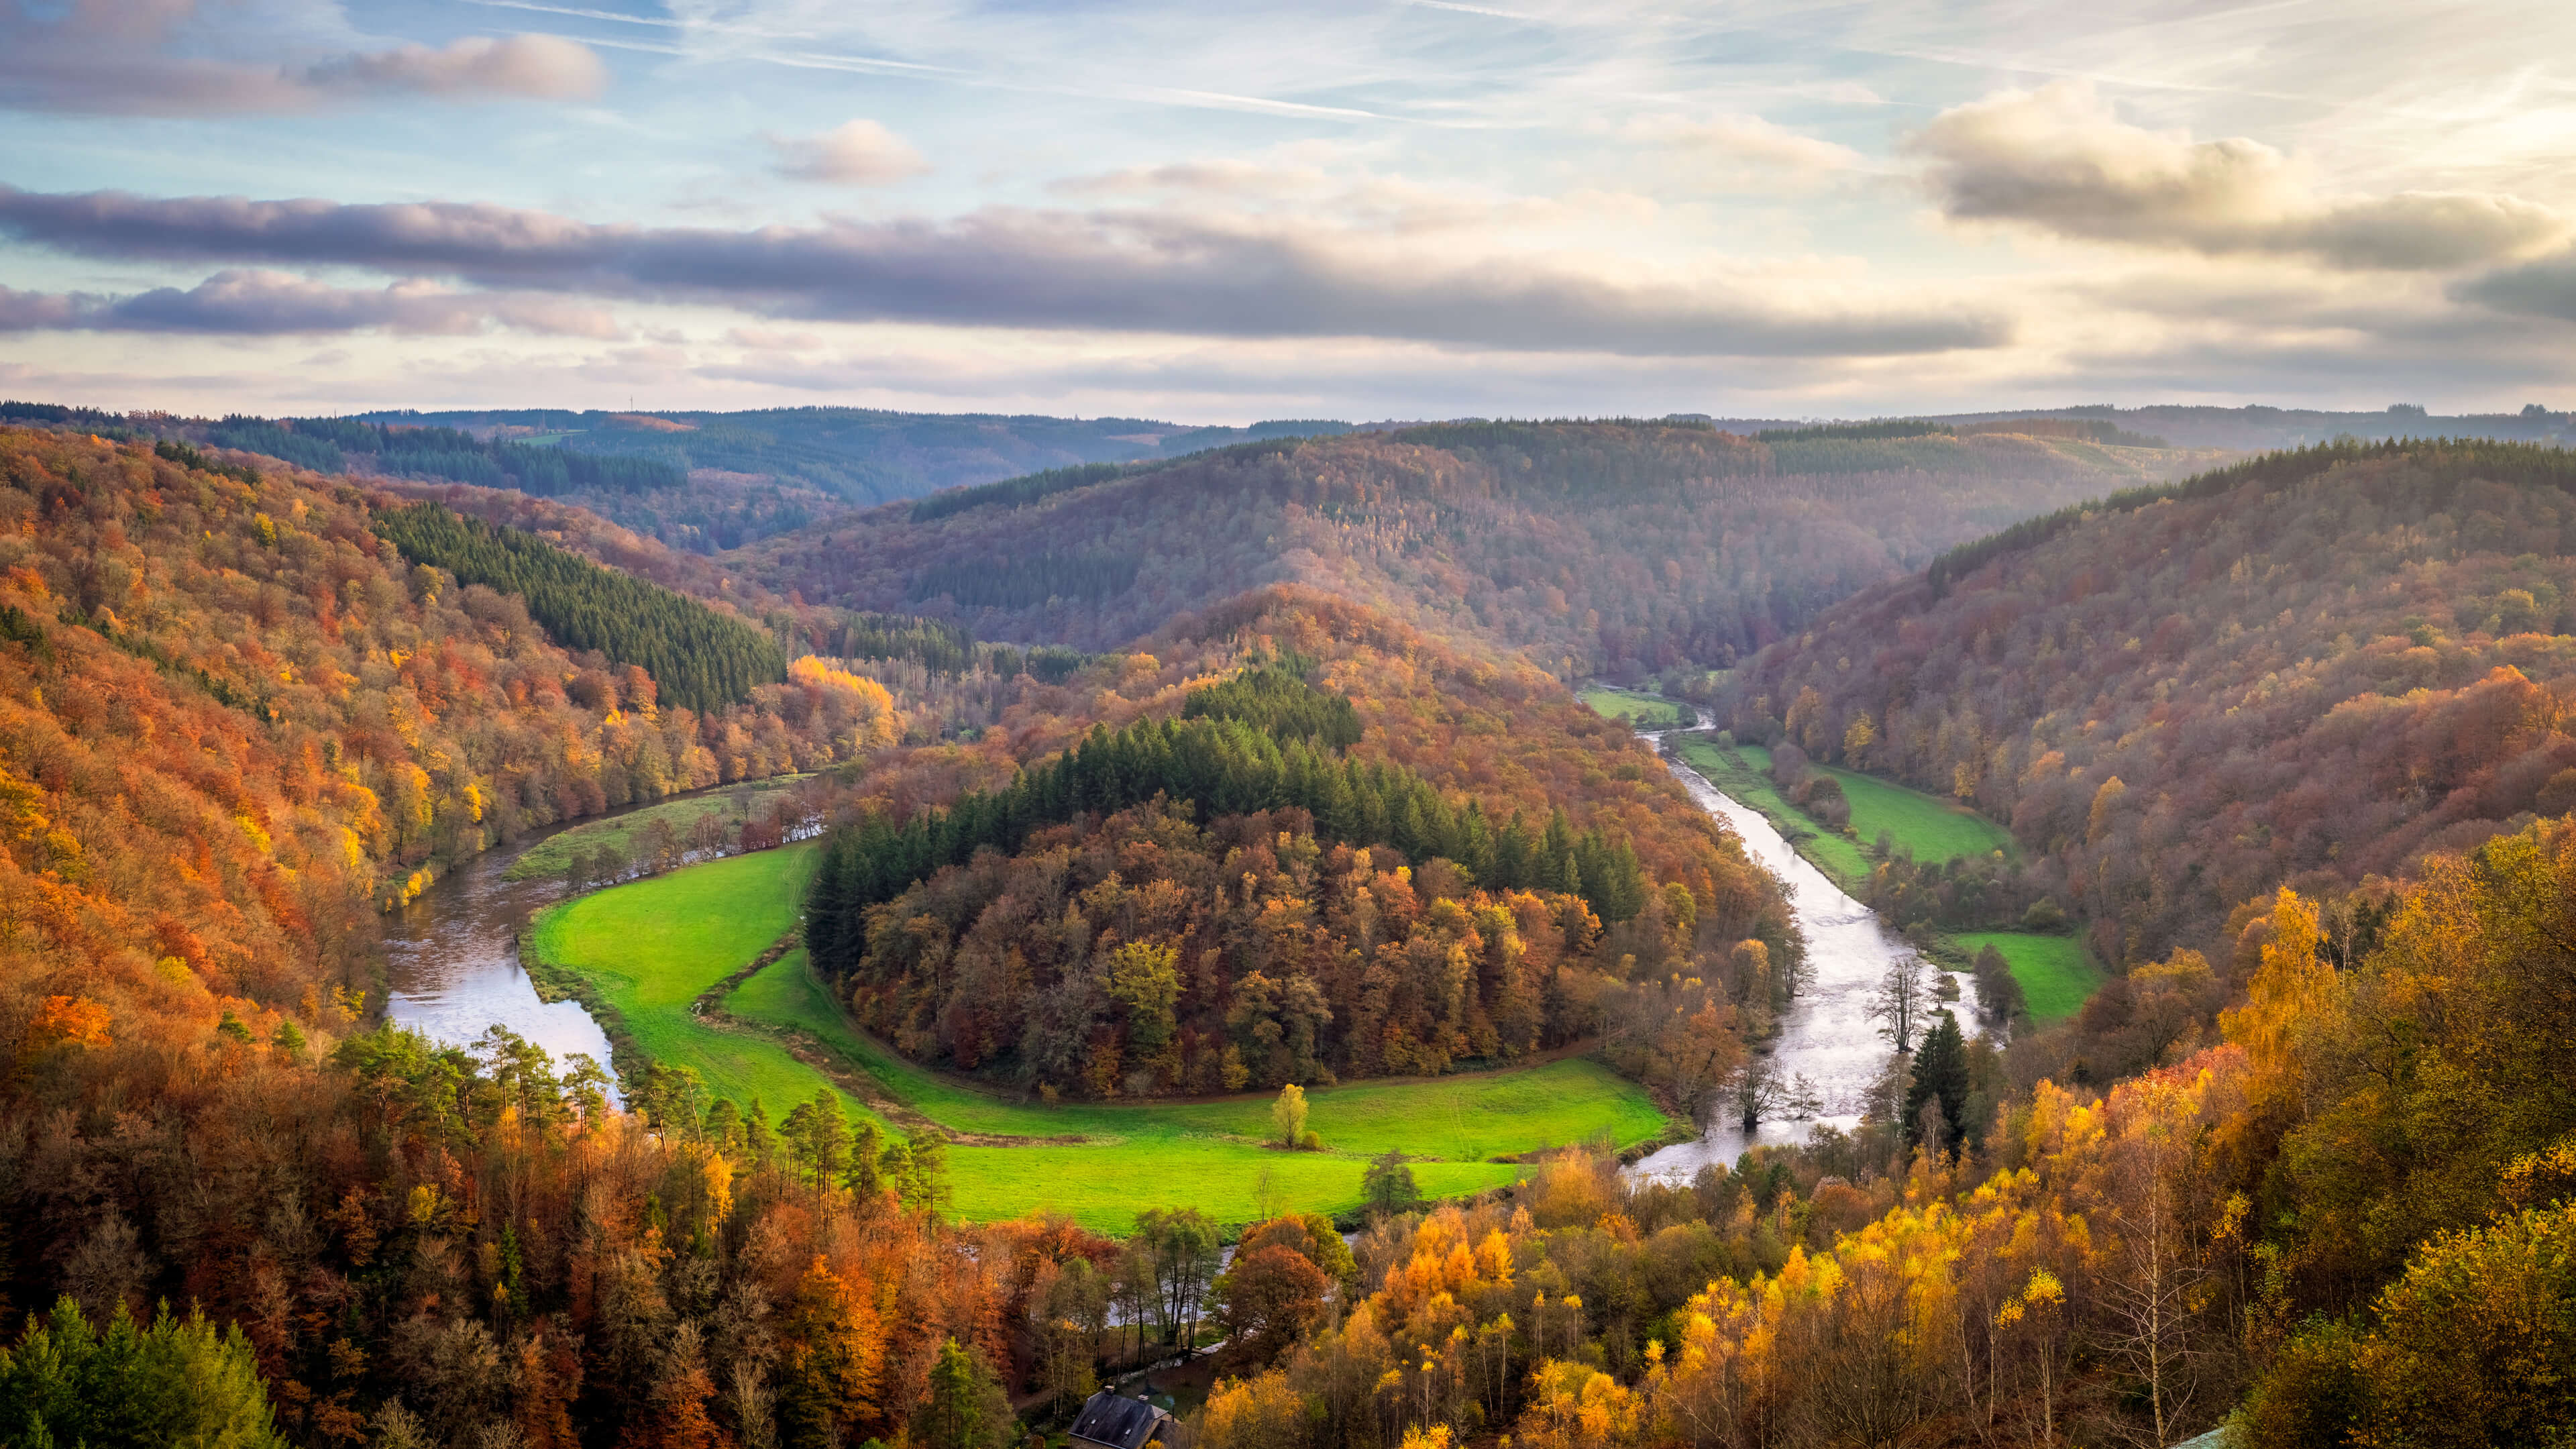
x: 1119, y: 1422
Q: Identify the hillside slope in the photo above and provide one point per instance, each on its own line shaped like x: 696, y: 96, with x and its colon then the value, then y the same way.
x: 2306, y: 669
x: 1624, y: 549
x: 231, y: 713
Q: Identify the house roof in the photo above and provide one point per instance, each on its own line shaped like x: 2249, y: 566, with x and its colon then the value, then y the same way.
x: 1119, y: 1422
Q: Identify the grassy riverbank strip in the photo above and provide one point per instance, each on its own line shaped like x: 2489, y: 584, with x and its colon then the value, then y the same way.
x: 1635, y: 706
x: 647, y: 957
x: 2056, y: 973
x: 620, y: 835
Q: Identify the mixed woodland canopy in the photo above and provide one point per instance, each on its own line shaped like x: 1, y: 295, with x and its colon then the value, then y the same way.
x: 2287, y: 743
x: 1624, y: 549
x: 2310, y: 669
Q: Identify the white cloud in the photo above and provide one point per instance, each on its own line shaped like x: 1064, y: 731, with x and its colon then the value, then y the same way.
x: 1744, y: 150
x: 545, y: 67
x: 2061, y: 160
x: 149, y: 57
x: 855, y: 153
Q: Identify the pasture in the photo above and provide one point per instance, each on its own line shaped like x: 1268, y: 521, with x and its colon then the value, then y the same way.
x: 2055, y: 972
x: 1635, y: 707
x: 651, y: 948
x: 621, y: 834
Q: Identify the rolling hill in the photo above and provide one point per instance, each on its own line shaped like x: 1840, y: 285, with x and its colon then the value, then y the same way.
x: 1632, y: 550
x: 2309, y: 669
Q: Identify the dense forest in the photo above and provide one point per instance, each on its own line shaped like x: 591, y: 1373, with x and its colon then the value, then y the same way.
x: 1282, y: 717
x: 699, y: 658
x: 1207, y: 919
x: 1630, y: 550
x: 2308, y: 669
x: 2352, y: 1211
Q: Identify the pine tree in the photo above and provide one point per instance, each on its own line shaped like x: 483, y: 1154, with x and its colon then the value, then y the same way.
x: 1940, y: 1075
x: 956, y: 1416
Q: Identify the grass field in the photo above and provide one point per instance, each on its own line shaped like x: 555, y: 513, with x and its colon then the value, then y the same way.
x: 1750, y: 783
x: 552, y: 855
x: 653, y: 947
x: 1630, y: 705
x: 649, y: 948
x: 2055, y: 973
x: 1927, y: 827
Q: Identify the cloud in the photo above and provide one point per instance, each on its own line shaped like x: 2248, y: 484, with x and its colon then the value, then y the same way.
x: 255, y: 303
x: 1115, y: 271
x: 541, y: 67
x: 145, y: 57
x: 1746, y: 150
x: 2543, y: 288
x: 856, y: 153
x: 1358, y: 199
x: 2060, y: 160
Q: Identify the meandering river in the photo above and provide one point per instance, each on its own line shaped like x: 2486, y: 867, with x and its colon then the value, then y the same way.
x: 453, y: 959
x: 1827, y: 1035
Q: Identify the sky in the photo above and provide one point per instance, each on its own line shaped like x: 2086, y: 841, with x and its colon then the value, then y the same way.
x: 1362, y: 209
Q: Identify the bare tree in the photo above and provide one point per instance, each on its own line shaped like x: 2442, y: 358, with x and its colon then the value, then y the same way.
x: 1761, y: 1094
x: 2155, y: 1275
x: 1903, y: 999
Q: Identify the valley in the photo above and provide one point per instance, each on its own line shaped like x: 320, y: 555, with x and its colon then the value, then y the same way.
x: 646, y: 954
x: 913, y: 947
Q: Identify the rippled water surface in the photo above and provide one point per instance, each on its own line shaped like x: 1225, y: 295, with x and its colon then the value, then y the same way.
x: 1826, y: 1035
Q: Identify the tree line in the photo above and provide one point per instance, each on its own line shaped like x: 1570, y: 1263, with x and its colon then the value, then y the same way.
x: 1218, y: 766
x: 328, y: 445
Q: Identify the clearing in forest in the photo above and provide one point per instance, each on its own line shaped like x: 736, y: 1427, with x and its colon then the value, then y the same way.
x: 649, y: 950
x: 2055, y: 972
x: 1631, y: 705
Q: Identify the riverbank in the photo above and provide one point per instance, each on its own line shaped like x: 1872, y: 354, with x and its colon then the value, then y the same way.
x: 2056, y: 974
x: 1645, y: 711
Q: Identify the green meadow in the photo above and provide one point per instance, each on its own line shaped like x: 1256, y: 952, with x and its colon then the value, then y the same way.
x: 2055, y: 972
x: 555, y: 854
x: 646, y: 950
x: 649, y: 949
x: 1927, y: 827
x: 1631, y: 705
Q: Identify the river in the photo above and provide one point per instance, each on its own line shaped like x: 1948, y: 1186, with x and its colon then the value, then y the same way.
x: 452, y: 959
x: 453, y: 967
x: 1827, y: 1035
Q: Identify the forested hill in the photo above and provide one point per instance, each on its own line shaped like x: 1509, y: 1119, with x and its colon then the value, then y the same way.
x: 1222, y: 799
x: 701, y: 658
x: 698, y: 481
x: 230, y: 669
x: 2308, y: 669
x: 1629, y: 549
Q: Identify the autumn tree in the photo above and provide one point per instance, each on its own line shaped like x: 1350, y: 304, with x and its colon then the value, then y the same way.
x: 1266, y: 1300
x: 1288, y: 1116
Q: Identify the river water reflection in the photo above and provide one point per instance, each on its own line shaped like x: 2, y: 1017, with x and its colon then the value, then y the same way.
x: 1827, y: 1035
x: 453, y: 960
